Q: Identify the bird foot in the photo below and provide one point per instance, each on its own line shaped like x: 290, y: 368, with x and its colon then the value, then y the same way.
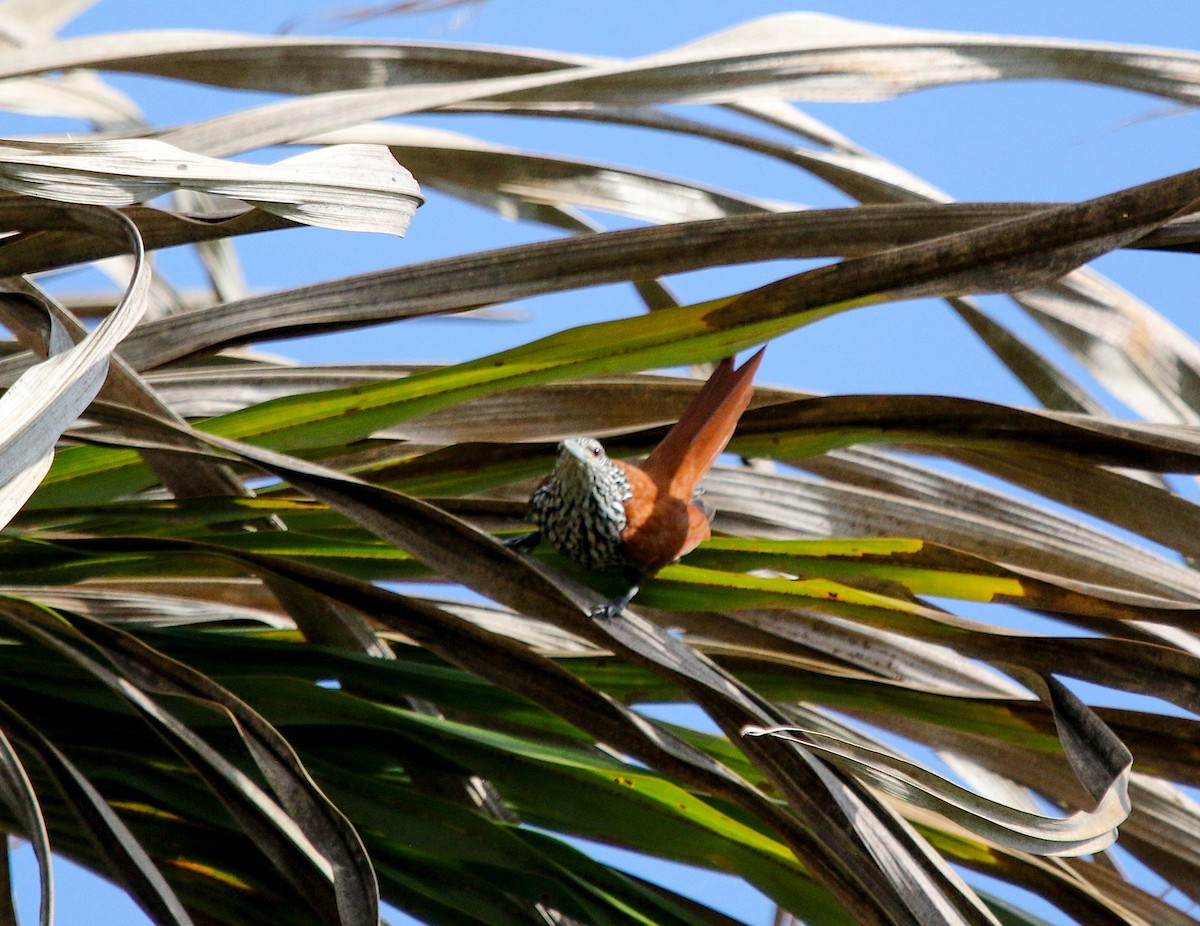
x: 525, y: 543
x: 616, y: 606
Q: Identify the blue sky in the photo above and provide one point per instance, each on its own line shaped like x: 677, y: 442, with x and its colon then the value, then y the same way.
x: 1027, y: 140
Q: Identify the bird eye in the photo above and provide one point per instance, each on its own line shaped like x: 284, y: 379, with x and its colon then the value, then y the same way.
x: 596, y: 451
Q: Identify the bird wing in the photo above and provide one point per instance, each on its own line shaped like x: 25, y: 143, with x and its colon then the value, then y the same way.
x: 659, y: 527
x: 697, y: 439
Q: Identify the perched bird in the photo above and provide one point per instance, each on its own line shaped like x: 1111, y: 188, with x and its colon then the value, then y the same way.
x: 606, y: 513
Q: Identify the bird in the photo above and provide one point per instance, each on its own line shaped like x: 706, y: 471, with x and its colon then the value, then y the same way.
x: 605, y: 513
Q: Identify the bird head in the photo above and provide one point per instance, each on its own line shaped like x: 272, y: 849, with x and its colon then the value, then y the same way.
x: 585, y: 471
x: 581, y: 455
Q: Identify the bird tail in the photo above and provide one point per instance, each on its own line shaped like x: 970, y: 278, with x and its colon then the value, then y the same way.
x: 697, y: 439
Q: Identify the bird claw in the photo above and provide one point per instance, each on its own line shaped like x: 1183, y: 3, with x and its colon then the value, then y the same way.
x: 616, y: 606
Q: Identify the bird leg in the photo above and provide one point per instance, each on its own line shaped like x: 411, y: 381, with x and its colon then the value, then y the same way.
x: 525, y: 543
x: 619, y: 604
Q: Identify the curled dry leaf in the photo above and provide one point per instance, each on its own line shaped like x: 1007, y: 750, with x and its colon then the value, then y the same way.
x: 349, y: 187
x: 50, y: 395
x: 1082, y: 833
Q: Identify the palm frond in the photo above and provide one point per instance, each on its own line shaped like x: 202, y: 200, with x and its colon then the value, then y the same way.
x: 242, y: 676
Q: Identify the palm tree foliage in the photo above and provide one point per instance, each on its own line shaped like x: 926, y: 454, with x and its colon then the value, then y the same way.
x: 239, y: 698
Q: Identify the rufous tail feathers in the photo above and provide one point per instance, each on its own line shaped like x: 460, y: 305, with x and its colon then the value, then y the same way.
x: 697, y: 439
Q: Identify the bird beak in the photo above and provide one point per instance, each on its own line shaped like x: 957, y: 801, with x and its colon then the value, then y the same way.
x: 577, y: 451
